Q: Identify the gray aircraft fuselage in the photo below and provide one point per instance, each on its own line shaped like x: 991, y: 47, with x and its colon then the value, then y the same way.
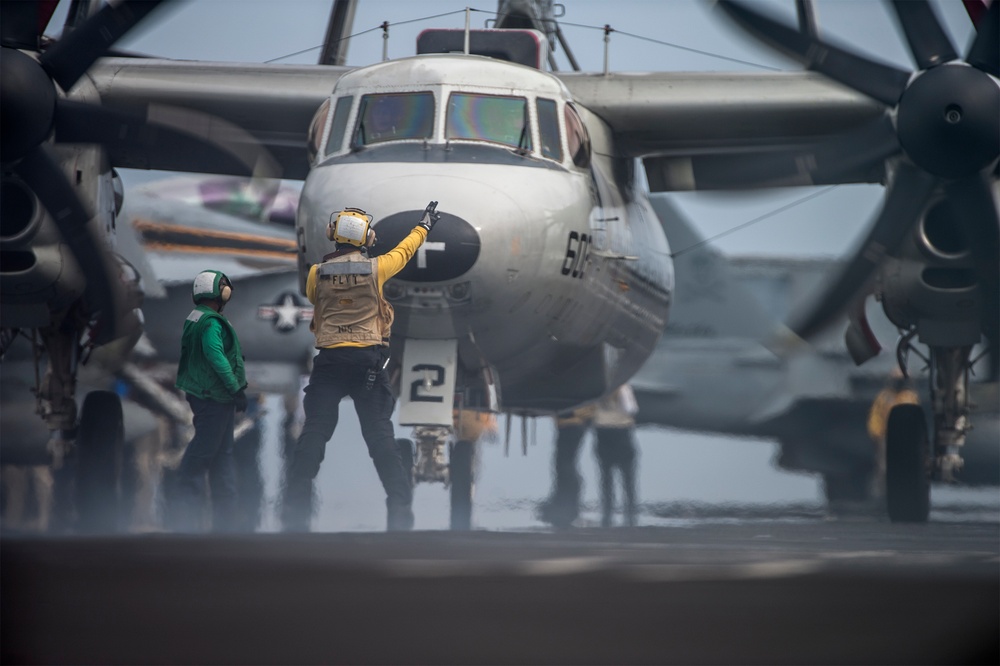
x: 552, y: 272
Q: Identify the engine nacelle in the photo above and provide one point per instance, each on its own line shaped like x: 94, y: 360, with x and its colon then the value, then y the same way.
x: 933, y: 284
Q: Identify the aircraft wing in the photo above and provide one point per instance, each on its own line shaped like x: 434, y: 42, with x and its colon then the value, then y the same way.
x: 664, y: 117
x: 273, y: 103
x: 669, y: 117
x: 178, y: 240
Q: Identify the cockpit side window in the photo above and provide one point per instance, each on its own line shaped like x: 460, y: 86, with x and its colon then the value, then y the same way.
x: 394, y: 117
x: 577, y: 137
x: 548, y: 128
x: 490, y: 118
x: 340, y: 113
x: 316, y: 129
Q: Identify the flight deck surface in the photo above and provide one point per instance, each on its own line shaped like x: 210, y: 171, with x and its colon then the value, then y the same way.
x: 806, y: 591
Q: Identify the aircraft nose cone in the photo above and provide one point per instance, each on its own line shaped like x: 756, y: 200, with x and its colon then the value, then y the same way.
x: 451, y: 248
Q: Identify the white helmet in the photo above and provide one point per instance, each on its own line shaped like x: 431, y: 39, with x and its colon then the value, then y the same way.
x: 211, y: 286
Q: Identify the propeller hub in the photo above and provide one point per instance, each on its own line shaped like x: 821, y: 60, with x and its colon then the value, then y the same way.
x: 947, y: 121
x: 28, y: 99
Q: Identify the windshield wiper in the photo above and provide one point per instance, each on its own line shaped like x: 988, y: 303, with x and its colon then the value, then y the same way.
x: 524, y: 141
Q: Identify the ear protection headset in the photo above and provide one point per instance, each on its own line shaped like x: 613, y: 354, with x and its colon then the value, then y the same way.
x: 227, y: 290
x: 351, y: 226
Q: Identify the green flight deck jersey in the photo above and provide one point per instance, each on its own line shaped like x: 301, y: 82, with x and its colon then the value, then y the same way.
x: 211, y: 365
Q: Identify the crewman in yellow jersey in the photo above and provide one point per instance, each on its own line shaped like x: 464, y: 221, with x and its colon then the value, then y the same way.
x: 352, y: 322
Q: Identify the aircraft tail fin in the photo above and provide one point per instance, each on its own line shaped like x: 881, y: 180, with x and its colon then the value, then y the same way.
x: 710, y: 302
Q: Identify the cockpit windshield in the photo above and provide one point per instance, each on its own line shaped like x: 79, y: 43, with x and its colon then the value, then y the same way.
x: 395, y: 117
x: 489, y: 118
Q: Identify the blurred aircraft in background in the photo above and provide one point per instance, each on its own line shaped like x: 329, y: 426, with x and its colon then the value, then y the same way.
x: 932, y: 254
x: 711, y: 372
x: 185, y: 225
x: 169, y: 231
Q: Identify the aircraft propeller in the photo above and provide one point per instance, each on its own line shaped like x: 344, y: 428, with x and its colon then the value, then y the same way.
x: 939, y: 137
x: 35, y: 110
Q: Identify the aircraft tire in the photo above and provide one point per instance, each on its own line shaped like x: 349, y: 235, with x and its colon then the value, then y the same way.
x: 460, y: 471
x: 99, y: 445
x: 907, y: 478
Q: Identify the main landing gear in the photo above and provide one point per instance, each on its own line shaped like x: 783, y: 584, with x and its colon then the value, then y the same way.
x: 907, y: 473
x: 88, y: 488
x: 99, y: 444
x: 910, y: 466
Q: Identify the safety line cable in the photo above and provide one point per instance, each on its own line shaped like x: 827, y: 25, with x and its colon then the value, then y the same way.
x: 670, y: 44
x: 761, y: 218
x: 601, y: 28
x: 382, y: 26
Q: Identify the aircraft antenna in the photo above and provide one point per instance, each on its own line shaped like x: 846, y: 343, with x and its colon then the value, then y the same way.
x: 467, y: 19
x: 607, y: 43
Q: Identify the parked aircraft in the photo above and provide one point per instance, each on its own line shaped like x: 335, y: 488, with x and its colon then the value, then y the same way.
x: 169, y: 231
x: 712, y: 373
x: 529, y: 305
x: 932, y: 255
x: 70, y: 299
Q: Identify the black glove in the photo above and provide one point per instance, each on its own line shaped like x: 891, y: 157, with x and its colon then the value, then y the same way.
x: 240, y: 400
x: 431, y: 216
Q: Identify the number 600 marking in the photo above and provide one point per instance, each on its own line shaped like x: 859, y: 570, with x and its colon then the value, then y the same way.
x: 577, y: 254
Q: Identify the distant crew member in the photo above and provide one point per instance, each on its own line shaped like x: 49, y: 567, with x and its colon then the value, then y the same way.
x: 563, y: 505
x: 613, y: 420
x: 614, y: 424
x: 898, y: 390
x: 352, y: 322
x: 211, y: 373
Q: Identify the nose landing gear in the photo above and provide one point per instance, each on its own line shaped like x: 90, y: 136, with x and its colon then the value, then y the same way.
x: 457, y: 473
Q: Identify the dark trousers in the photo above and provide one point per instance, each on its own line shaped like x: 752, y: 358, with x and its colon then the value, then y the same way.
x: 616, y: 450
x: 209, y: 453
x: 563, y: 507
x: 249, y: 478
x: 338, y: 373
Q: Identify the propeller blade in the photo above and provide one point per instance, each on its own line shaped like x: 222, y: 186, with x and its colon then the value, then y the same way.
x: 75, y: 52
x: 40, y: 170
x: 225, y: 147
x: 907, y: 198
x: 928, y: 42
x: 975, y: 208
x: 22, y: 23
x: 876, y: 80
x: 855, y: 156
x: 984, y: 54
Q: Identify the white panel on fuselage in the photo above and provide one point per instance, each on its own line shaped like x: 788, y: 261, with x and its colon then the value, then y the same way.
x: 427, y: 386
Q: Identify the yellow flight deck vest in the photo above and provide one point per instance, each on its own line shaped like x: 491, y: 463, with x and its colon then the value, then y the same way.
x: 579, y: 416
x: 350, y: 311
